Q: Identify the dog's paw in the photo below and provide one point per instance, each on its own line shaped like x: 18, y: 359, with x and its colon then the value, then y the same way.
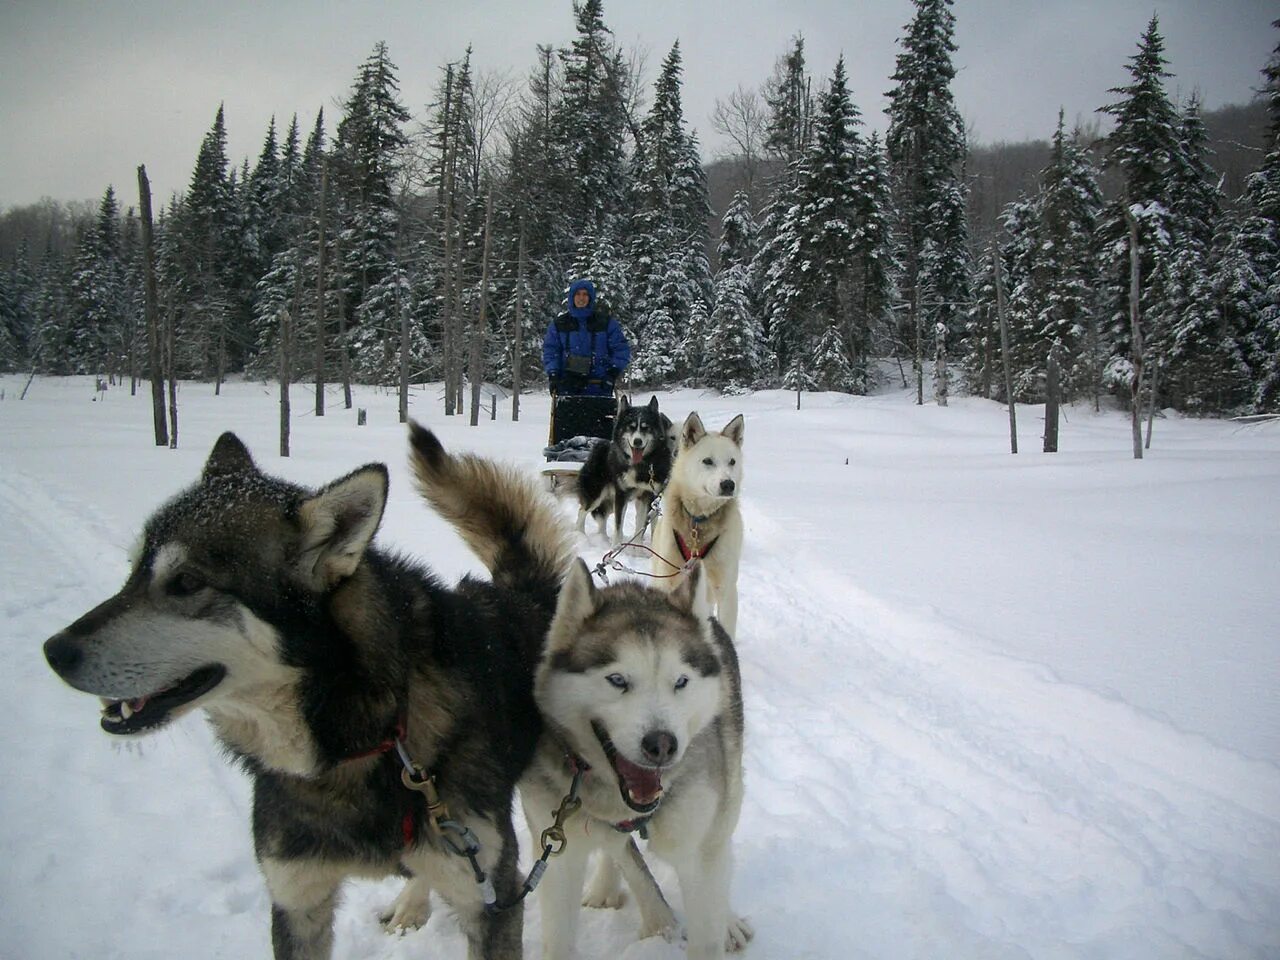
x: 740, y: 933
x: 411, y: 910
x: 604, y: 891
x: 669, y: 931
x: 604, y: 900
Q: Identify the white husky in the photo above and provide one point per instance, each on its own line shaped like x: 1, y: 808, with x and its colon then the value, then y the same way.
x: 700, y: 516
x: 641, y: 697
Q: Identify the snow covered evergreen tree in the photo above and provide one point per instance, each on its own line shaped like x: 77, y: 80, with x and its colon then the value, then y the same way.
x: 1253, y: 286
x: 732, y: 352
x: 591, y: 123
x: 926, y: 148
x: 1203, y: 368
x: 1141, y: 149
x: 669, y: 232
x: 202, y: 250
x: 367, y: 165
x: 788, y: 135
x: 99, y: 295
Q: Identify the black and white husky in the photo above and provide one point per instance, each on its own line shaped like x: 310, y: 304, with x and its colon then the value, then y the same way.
x: 642, y: 705
x: 332, y: 671
x: 633, y: 465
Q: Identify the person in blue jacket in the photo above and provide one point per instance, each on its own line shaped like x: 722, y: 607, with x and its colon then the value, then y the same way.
x: 584, y: 350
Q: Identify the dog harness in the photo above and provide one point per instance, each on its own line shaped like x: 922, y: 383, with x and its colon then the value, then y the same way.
x: 695, y: 552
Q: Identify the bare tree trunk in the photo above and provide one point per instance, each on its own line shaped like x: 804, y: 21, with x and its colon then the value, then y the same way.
x: 987, y: 359
x: 285, y: 365
x: 447, y: 196
x: 404, y: 355
x: 517, y: 361
x: 1135, y: 332
x: 344, y: 359
x: 940, y: 375
x: 1004, y: 349
x: 320, y: 319
x: 1151, y: 407
x: 476, y: 364
x: 171, y: 366
x: 917, y: 360
x: 151, y: 307
x: 1052, y: 399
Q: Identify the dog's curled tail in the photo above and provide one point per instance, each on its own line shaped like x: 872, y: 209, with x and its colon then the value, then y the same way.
x: 504, y: 516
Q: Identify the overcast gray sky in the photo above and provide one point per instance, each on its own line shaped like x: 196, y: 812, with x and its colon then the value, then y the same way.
x: 91, y: 88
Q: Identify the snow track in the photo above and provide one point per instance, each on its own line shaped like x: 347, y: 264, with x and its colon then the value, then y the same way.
x: 913, y: 793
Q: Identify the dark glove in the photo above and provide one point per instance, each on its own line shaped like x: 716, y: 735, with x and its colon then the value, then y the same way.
x: 613, y: 374
x: 553, y: 382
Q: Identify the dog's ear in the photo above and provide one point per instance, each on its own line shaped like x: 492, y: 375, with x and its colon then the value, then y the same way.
x: 229, y: 456
x: 338, y: 523
x: 692, y: 431
x: 624, y: 403
x: 733, y: 429
x: 653, y: 403
x: 578, y: 599
x: 691, y: 595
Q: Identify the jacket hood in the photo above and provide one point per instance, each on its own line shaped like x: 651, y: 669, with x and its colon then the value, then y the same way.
x: 586, y: 311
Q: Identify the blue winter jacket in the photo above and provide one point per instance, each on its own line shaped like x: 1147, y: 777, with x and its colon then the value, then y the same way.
x: 585, y: 333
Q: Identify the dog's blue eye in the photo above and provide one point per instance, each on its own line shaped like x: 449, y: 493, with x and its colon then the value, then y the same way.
x: 682, y: 682
x: 708, y: 461
x: 617, y: 680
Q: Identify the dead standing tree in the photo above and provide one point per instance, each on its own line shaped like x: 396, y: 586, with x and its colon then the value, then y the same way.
x: 1051, y: 402
x: 320, y: 319
x: 151, y: 306
x: 475, y: 365
x: 1135, y: 331
x: 286, y: 364
x: 517, y: 350
x: 1004, y: 347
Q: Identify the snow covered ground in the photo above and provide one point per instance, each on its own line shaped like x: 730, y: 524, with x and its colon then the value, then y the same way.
x: 997, y: 706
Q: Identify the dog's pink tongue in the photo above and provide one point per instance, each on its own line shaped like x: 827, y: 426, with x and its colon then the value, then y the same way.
x: 644, y: 784
x: 637, y: 454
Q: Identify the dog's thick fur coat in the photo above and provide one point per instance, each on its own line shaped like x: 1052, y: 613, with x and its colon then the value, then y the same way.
x: 641, y: 689
x: 700, y: 514
x: 311, y: 650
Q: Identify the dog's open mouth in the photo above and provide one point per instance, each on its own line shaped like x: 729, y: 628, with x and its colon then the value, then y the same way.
x: 637, y: 455
x: 641, y: 787
x: 125, y: 717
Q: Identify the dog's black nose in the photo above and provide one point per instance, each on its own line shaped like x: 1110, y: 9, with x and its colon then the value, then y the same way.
x: 63, y: 654
x: 659, y: 746
x: 726, y: 488
x: 637, y: 442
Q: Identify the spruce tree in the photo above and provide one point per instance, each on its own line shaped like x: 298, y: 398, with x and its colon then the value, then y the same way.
x: 368, y: 159
x: 926, y: 149
x: 590, y: 124
x: 1064, y: 262
x: 99, y: 295
x: 789, y: 133
x: 669, y: 225
x: 1254, y: 297
x: 1141, y: 150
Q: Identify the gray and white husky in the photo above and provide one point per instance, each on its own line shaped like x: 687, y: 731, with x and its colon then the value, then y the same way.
x: 641, y: 700
x: 700, y: 516
x: 319, y: 659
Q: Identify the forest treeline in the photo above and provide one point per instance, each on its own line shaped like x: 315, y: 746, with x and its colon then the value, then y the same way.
x: 383, y: 246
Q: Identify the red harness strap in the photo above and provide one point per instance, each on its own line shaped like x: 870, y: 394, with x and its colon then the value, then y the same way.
x: 409, y: 823
x: 688, y: 554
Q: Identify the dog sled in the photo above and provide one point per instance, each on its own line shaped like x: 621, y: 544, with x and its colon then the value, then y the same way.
x: 578, y: 423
